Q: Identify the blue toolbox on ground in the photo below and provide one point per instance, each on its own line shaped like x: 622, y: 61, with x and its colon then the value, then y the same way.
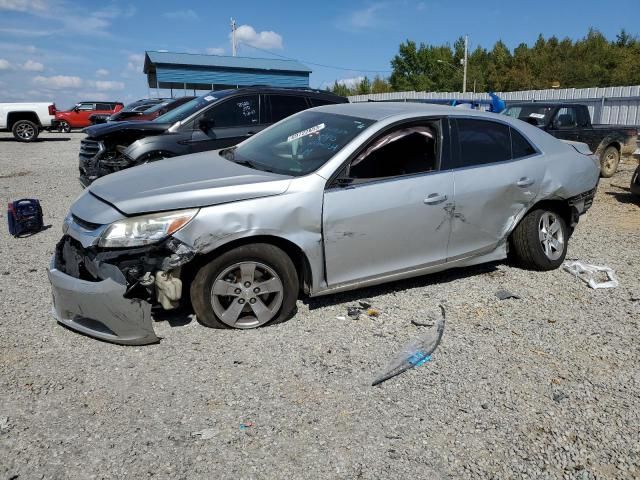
x: 25, y: 216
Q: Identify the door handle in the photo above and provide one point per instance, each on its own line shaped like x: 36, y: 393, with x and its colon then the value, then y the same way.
x: 434, y: 199
x: 248, y: 134
x: 525, y: 182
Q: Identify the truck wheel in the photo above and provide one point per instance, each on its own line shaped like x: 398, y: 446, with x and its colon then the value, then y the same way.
x: 64, y: 127
x: 539, y: 242
x: 609, y: 161
x: 25, y: 131
x: 247, y: 287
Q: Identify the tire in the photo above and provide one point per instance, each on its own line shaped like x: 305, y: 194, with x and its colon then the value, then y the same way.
x: 235, y: 303
x: 635, y: 182
x: 64, y: 127
x: 539, y: 242
x: 25, y: 131
x: 609, y: 161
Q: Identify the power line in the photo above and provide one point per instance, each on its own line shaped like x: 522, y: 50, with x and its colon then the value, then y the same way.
x: 317, y: 64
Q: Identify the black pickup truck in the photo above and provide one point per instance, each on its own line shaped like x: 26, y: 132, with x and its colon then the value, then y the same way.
x: 571, y: 121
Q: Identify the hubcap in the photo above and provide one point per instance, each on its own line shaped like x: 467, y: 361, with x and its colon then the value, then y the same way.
x: 610, y: 160
x: 25, y: 131
x: 247, y: 295
x: 551, y: 235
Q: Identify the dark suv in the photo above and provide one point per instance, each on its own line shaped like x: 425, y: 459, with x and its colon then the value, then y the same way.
x: 216, y: 120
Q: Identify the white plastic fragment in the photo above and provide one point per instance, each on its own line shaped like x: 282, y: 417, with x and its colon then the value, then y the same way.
x: 588, y: 274
x: 206, y: 434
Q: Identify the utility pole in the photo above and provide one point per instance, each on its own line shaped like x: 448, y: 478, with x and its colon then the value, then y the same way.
x: 233, y: 37
x: 464, y: 75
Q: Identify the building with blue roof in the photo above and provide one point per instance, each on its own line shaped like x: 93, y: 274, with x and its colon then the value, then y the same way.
x: 215, y: 72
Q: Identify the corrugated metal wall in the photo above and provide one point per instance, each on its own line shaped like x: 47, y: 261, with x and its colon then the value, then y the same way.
x: 615, y: 105
x: 221, y: 76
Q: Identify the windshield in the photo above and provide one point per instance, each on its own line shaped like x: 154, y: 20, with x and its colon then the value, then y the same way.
x: 300, y: 144
x: 534, y: 114
x: 187, y: 109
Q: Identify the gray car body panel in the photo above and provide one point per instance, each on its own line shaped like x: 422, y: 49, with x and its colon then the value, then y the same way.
x: 349, y: 236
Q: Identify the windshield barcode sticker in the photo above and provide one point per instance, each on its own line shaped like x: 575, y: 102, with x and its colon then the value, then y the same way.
x: 209, y: 98
x: 306, y: 132
x: 536, y: 115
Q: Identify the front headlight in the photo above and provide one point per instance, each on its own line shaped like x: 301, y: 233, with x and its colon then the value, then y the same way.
x: 145, y: 229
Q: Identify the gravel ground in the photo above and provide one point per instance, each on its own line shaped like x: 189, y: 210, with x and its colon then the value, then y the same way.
x: 546, y: 386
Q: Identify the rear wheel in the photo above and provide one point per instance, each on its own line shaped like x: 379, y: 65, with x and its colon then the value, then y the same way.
x: 609, y: 161
x: 247, y: 287
x: 539, y: 241
x: 25, y: 131
x: 64, y: 126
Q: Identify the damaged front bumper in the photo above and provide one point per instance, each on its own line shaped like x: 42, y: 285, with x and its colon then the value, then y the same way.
x: 99, y: 309
x: 109, y: 294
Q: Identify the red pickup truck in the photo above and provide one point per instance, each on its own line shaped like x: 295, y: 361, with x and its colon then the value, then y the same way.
x: 78, y: 116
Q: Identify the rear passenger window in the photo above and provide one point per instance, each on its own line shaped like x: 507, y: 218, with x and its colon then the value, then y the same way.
x: 482, y: 141
x: 520, y: 147
x: 104, y: 106
x: 284, y: 105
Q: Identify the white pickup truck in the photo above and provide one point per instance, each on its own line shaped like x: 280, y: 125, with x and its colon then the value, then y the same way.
x: 26, y: 120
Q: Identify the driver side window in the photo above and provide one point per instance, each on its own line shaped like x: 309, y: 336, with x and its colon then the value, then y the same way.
x: 406, y: 150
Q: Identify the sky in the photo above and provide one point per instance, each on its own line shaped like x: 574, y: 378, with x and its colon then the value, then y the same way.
x: 67, y: 51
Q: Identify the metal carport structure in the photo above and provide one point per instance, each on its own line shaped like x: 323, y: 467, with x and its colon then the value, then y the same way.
x: 214, y: 72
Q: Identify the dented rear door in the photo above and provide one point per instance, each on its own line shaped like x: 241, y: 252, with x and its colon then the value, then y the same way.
x: 492, y: 190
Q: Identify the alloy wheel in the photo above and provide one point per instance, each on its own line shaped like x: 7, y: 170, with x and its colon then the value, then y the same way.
x: 611, y: 160
x: 25, y: 131
x: 551, y: 235
x: 247, y: 295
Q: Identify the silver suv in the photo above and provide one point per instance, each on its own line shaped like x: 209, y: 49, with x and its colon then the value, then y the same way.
x: 333, y: 198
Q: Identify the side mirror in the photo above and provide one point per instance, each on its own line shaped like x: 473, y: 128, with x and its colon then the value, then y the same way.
x: 205, y: 124
x: 76, y: 109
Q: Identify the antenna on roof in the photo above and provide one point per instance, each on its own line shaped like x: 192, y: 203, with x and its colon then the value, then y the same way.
x: 233, y: 37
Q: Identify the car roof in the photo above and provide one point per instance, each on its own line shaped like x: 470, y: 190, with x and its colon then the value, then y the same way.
x: 381, y: 110
x: 307, y: 91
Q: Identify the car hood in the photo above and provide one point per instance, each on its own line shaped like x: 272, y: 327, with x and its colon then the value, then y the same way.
x: 104, y: 129
x: 189, y: 181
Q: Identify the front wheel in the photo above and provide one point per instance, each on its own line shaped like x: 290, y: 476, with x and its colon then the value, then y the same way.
x: 539, y: 242
x: 25, y: 131
x: 609, y: 161
x: 247, y: 287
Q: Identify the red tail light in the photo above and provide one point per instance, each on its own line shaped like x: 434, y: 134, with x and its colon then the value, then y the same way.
x: 10, y: 208
x: 52, y: 109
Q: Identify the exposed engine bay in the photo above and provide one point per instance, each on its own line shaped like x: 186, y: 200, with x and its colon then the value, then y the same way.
x: 150, y: 273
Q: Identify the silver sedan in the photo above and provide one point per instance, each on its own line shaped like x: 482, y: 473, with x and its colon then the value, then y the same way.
x: 330, y: 199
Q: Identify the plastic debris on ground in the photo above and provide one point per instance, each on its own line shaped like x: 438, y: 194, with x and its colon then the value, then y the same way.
x: 503, y: 294
x: 590, y: 274
x: 206, y: 434
x: 415, y: 353
x: 245, y: 425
